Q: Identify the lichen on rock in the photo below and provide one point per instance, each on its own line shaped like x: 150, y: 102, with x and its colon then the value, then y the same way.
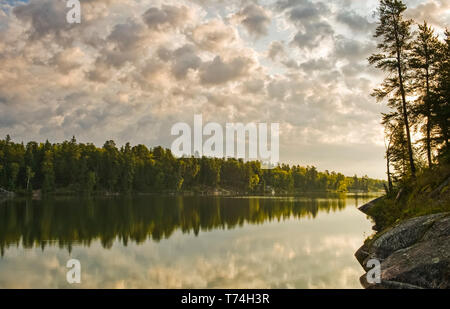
x: 413, y: 254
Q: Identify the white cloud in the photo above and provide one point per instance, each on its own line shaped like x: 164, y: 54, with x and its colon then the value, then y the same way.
x: 132, y: 69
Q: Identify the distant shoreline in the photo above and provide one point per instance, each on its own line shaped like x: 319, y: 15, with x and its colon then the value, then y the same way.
x: 206, y: 193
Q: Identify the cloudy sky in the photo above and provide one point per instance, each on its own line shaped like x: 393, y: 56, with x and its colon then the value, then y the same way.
x: 134, y: 68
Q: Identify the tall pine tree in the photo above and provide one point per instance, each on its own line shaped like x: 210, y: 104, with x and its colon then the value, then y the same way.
x: 425, y: 63
x: 395, y: 35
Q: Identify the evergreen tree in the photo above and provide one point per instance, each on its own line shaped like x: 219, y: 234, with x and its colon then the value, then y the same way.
x: 394, y: 32
x: 441, y: 103
x: 425, y: 64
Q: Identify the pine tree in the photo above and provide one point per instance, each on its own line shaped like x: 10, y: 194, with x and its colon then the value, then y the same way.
x: 394, y: 31
x: 397, y: 152
x: 425, y: 61
x: 441, y: 104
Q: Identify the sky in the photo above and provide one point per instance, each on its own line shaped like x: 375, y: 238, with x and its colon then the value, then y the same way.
x: 132, y: 69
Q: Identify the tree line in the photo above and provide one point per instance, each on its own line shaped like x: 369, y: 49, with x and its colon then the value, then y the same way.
x: 416, y: 89
x: 77, y: 167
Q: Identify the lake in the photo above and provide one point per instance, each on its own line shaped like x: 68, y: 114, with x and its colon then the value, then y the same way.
x: 184, y: 242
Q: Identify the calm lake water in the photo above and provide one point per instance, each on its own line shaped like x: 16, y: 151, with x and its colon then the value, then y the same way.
x: 184, y: 242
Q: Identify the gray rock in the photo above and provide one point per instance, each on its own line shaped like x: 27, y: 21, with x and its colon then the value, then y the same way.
x: 362, y: 254
x: 413, y: 254
x: 366, y: 207
x: 423, y: 265
x: 403, y: 235
x: 386, y: 284
x: 440, y: 228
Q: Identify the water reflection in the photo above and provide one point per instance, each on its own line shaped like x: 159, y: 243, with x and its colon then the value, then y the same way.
x: 305, y: 242
x: 80, y: 221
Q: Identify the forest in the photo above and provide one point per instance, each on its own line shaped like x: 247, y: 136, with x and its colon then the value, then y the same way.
x: 76, y: 167
x: 416, y: 61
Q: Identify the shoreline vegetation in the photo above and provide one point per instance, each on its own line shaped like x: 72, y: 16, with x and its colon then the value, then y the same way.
x: 428, y: 194
x: 413, y: 219
x: 412, y: 239
x: 70, y: 168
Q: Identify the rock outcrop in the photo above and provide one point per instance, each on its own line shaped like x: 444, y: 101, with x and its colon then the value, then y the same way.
x: 413, y: 254
x: 365, y: 208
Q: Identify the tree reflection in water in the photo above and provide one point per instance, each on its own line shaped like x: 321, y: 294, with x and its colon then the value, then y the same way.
x: 68, y: 221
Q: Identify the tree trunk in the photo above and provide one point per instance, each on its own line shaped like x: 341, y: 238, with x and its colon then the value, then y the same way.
x: 404, y: 107
x: 406, y: 121
x: 428, y: 107
x: 388, y: 163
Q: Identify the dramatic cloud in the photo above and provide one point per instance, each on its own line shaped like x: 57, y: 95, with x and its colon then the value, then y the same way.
x: 355, y: 21
x: 185, y: 58
x: 310, y: 20
x: 214, y: 35
x: 218, y: 71
x: 435, y: 12
x: 46, y: 17
x: 166, y: 17
x: 255, y: 19
x: 132, y: 69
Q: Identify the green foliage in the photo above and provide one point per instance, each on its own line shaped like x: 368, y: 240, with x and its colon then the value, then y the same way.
x: 76, y: 167
x: 394, y: 46
x: 417, y: 66
x: 441, y: 101
x: 48, y: 173
x: 89, y: 183
x: 29, y: 175
x: 425, y: 62
x: 427, y: 194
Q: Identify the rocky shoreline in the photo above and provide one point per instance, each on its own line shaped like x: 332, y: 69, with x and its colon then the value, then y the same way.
x: 414, y: 254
